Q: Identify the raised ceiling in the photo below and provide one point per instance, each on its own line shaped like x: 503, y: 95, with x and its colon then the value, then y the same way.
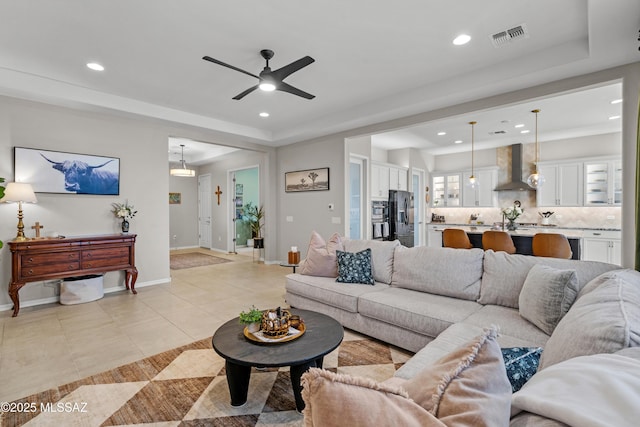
x: 375, y: 60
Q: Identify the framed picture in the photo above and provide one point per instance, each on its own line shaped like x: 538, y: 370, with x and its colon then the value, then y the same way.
x: 175, y: 198
x: 306, y: 180
x: 67, y: 173
x: 239, y: 189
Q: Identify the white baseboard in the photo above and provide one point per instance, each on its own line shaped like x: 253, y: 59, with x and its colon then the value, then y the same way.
x: 50, y: 300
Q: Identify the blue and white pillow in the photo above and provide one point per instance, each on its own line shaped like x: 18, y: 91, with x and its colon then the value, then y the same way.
x: 355, y: 267
x: 521, y: 363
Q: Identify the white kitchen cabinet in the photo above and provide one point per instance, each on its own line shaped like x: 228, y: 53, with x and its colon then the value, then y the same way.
x: 446, y: 190
x: 398, y: 178
x: 603, y: 183
x: 434, y: 236
x: 563, y: 184
x: 379, y: 181
x: 603, y: 246
x: 482, y: 195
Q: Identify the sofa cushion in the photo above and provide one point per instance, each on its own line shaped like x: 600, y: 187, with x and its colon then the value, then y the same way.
x: 453, y: 337
x: 467, y: 387
x: 604, y: 320
x: 417, y: 311
x: 511, y: 324
x: 441, y: 271
x: 355, y: 267
x: 547, y: 295
x: 327, y: 291
x: 342, y: 400
x: 381, y: 256
x: 521, y: 364
x: 504, y: 274
x: 595, y: 390
x: 321, y: 256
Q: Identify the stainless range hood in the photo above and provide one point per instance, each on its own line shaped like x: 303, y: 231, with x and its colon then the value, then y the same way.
x: 516, y: 183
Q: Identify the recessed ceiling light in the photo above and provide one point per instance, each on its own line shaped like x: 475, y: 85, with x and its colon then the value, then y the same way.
x: 264, y: 114
x: 614, y: 117
x: 457, y: 141
x: 461, y: 39
x: 519, y: 125
x: 616, y: 101
x: 441, y: 133
x: 95, y: 66
x: 525, y: 131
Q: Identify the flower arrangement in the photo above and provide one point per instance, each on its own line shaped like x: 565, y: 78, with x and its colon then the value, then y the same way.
x: 123, y: 210
x: 512, y: 212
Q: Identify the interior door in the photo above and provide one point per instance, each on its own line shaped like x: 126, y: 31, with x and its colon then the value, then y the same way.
x: 204, y: 211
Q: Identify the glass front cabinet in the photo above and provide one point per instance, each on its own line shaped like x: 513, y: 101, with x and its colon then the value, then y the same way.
x: 603, y: 183
x: 446, y: 190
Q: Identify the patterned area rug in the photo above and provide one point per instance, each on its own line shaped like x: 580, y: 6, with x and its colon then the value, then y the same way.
x: 187, y: 386
x: 194, y: 259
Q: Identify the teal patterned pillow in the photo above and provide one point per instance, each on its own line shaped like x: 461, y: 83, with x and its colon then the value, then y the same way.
x: 355, y: 267
x: 521, y: 364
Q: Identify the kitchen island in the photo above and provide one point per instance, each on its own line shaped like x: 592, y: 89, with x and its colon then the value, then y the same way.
x: 522, y: 237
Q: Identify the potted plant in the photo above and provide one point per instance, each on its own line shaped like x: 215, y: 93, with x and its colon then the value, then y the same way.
x: 254, y: 215
x: 251, y: 318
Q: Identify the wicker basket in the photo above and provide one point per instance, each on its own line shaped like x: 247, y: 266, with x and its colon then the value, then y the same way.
x: 275, y: 323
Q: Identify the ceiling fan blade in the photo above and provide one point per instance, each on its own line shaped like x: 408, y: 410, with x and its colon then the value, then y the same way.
x: 293, y: 90
x: 283, y: 72
x: 245, y: 93
x: 215, y: 61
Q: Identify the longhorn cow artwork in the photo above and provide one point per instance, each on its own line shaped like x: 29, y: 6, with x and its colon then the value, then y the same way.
x: 58, y: 172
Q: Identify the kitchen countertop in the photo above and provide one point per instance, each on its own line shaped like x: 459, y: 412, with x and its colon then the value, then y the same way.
x: 524, y: 230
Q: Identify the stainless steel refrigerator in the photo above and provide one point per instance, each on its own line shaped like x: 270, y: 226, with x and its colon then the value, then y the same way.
x: 401, y: 217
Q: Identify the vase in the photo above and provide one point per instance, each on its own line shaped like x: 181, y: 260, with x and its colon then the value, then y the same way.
x: 254, y: 327
x: 511, y: 226
x: 125, y: 226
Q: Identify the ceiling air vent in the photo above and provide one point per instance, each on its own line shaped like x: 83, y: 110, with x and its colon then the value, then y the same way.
x: 507, y: 36
x: 498, y: 132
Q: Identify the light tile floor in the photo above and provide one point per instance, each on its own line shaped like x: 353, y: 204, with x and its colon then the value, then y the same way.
x: 50, y: 345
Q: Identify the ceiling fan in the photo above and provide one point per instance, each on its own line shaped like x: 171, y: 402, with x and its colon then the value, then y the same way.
x: 271, y: 80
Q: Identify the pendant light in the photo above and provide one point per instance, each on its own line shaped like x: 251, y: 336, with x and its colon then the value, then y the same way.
x: 182, y: 170
x: 536, y: 180
x: 473, y: 181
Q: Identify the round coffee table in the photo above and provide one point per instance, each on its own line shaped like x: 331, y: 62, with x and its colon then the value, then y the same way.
x: 322, y: 335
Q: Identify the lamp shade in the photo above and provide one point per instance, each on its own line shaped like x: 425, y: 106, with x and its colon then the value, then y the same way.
x: 19, y: 192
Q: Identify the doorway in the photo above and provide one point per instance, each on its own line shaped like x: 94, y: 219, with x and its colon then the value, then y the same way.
x: 244, y: 190
x: 204, y: 211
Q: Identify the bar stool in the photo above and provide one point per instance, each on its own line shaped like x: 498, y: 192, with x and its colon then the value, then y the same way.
x: 498, y: 241
x: 455, y: 238
x: 552, y: 245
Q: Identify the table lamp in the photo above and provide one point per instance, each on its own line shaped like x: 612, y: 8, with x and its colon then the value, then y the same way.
x: 19, y: 192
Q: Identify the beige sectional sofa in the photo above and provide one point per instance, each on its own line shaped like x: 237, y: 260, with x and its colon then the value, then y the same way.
x: 433, y: 300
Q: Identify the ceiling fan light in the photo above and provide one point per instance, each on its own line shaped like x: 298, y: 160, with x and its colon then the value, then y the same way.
x: 267, y: 86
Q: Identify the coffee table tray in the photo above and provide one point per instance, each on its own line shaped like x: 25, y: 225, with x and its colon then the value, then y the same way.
x: 259, y: 338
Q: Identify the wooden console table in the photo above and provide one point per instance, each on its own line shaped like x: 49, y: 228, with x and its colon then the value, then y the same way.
x: 46, y: 259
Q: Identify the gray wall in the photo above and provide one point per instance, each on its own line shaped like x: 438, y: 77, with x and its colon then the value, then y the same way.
x: 183, y: 218
x: 221, y: 214
x: 144, y: 181
x: 309, y: 210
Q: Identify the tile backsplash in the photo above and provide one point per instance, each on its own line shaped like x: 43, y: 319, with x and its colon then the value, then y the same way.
x: 576, y: 217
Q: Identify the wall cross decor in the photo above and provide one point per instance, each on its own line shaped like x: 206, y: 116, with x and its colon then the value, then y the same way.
x: 218, y: 193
